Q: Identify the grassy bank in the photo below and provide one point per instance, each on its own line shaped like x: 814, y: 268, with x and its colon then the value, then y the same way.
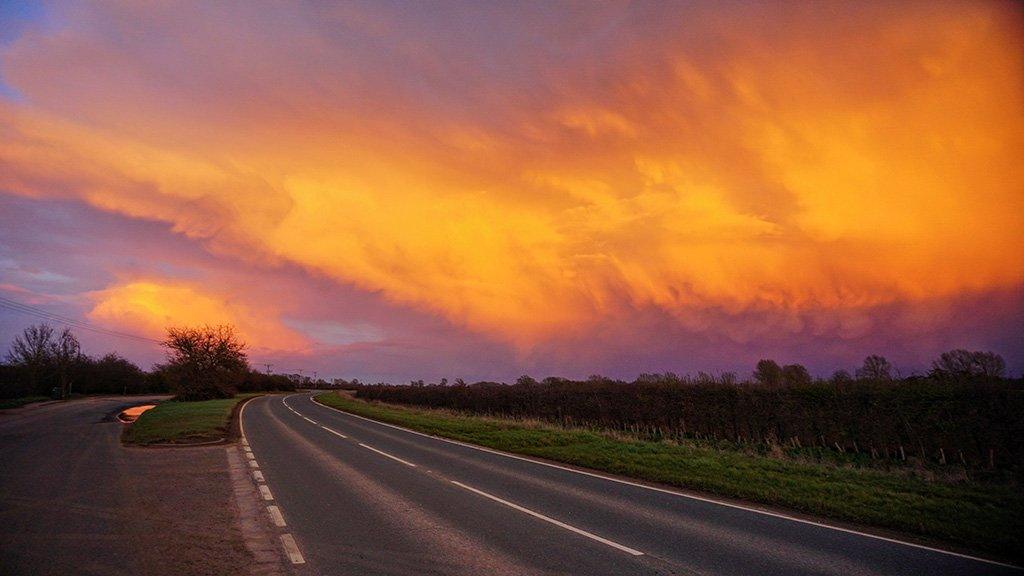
x: 8, y: 403
x: 978, y: 516
x: 184, y: 422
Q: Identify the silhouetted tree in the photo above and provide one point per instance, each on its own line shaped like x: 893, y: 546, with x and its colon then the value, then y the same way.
x: 841, y: 377
x: 109, y: 374
x: 961, y: 363
x: 204, y: 363
x: 768, y: 372
x: 795, y: 375
x: 32, y: 350
x: 875, y: 367
x: 66, y: 352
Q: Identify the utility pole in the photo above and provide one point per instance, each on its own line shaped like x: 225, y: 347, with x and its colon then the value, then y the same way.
x: 268, y: 367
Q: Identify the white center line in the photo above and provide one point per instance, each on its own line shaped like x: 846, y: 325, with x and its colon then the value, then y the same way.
x: 275, y: 515
x: 292, y: 549
x: 335, y: 432
x: 265, y: 492
x: 605, y: 541
x: 382, y: 453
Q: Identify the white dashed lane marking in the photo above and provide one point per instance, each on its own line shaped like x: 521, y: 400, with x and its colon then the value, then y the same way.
x: 275, y: 515
x: 292, y: 549
x: 383, y: 453
x: 335, y: 432
x: 540, y: 516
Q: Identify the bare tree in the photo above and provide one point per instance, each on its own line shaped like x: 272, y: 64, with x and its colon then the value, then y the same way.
x: 962, y: 363
x: 204, y: 363
x: 66, y: 351
x: 875, y: 367
x: 33, y: 350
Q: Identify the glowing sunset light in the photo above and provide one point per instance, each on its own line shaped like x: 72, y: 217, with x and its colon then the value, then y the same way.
x: 150, y: 307
x: 556, y: 188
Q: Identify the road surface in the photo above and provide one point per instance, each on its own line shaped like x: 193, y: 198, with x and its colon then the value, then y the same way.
x: 73, y: 501
x: 362, y: 497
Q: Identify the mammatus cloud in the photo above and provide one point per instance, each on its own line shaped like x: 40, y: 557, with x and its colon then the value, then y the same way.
x: 743, y: 173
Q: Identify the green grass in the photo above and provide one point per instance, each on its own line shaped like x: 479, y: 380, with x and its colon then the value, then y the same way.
x: 175, y: 422
x: 986, y: 517
x: 8, y: 403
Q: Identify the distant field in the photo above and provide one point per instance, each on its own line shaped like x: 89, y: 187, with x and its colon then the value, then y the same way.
x: 975, y: 515
x: 184, y: 422
x: 8, y: 403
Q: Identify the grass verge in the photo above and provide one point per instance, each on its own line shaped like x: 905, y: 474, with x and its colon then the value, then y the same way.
x: 175, y: 422
x: 8, y: 403
x: 978, y: 516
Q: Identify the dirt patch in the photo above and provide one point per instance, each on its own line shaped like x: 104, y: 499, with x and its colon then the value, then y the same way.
x: 183, y: 517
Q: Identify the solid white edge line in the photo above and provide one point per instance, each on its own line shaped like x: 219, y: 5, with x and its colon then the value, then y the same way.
x: 265, y: 492
x: 275, y: 516
x: 241, y: 423
x: 335, y: 432
x: 292, y: 549
x: 674, y: 492
x: 540, y: 516
x: 383, y: 453
x: 310, y: 420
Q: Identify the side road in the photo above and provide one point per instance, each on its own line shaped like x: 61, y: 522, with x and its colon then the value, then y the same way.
x: 74, y: 501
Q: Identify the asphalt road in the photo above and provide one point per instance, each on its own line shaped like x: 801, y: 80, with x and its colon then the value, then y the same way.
x: 73, y: 501
x: 62, y: 489
x: 362, y: 497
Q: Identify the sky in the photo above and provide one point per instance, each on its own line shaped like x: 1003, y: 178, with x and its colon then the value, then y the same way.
x: 406, y: 190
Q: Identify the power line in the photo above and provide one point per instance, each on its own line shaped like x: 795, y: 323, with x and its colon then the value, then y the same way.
x: 26, y: 309
x: 15, y: 306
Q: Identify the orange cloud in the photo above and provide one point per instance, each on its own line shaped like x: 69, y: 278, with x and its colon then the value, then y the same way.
x: 806, y: 163
x: 151, y: 306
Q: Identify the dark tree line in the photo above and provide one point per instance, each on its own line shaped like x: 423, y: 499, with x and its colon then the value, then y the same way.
x: 963, y: 412
x: 202, y: 363
x: 44, y: 362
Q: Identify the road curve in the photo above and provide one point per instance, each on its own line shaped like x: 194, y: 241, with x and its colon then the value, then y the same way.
x: 363, y: 497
